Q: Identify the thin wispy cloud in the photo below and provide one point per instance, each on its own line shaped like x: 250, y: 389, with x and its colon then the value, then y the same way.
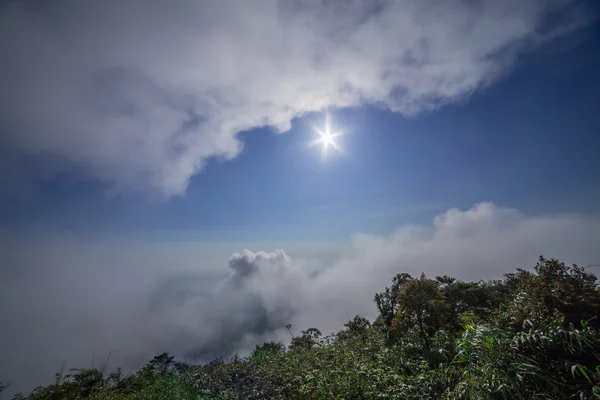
x: 140, y: 94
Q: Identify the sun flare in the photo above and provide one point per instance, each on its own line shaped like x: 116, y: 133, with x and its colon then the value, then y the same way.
x: 326, y: 137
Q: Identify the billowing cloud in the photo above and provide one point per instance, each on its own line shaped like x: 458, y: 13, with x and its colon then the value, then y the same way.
x: 69, y: 299
x: 141, y: 93
x: 262, y: 294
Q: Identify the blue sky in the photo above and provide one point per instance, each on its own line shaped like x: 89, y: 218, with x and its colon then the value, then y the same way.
x: 529, y: 142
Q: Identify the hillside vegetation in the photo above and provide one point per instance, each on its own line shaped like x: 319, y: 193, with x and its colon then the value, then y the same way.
x: 531, y: 335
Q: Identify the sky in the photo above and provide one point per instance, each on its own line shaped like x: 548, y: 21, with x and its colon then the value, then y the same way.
x: 158, y: 191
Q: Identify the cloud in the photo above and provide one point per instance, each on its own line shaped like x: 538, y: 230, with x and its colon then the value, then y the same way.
x: 140, y: 94
x: 260, y: 296
x: 70, y: 299
x: 483, y: 242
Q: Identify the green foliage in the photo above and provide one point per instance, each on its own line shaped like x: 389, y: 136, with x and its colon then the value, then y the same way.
x: 268, y: 349
x: 532, y: 335
x: 555, y: 292
x: 387, y: 300
x: 309, y: 338
x: 356, y: 327
x: 421, y: 304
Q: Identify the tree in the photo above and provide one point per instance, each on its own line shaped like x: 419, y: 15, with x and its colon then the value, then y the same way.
x: 307, y: 340
x: 266, y: 350
x: 465, y: 297
x: 162, y: 364
x: 356, y: 327
x: 358, y: 324
x: 388, y: 300
x: 555, y: 292
x: 421, y: 304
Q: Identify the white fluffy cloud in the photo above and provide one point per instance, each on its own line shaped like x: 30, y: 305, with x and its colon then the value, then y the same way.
x: 68, y: 299
x: 140, y: 93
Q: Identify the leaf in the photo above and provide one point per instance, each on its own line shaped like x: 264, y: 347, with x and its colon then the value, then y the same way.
x: 584, y: 373
x: 573, y: 368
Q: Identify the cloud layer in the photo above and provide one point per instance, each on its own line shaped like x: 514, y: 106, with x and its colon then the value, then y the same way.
x: 65, y: 299
x: 140, y: 93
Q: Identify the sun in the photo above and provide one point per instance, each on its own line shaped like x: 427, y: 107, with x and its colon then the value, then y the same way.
x: 326, y: 137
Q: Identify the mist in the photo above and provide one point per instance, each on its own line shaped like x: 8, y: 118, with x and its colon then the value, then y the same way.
x: 72, y: 301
